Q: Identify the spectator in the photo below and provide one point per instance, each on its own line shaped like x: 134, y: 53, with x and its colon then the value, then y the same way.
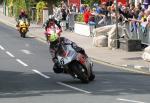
x: 86, y: 15
x: 139, y: 6
x: 64, y: 14
x: 82, y: 9
x: 94, y: 11
x: 148, y: 19
x: 63, y: 5
x: 71, y: 20
x: 125, y: 12
x: 103, y: 9
x: 58, y: 14
x: 103, y: 13
x: 74, y: 8
x: 147, y: 13
x: 109, y: 3
x: 98, y: 9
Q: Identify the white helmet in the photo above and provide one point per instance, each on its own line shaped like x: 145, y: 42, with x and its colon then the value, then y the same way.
x: 51, y: 17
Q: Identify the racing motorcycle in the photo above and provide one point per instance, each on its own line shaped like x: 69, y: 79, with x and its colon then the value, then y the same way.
x: 72, y: 62
x: 75, y: 64
x: 23, y: 27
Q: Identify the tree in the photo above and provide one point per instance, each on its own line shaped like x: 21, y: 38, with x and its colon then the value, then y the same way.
x: 90, y: 2
x: 1, y: 1
x: 51, y: 3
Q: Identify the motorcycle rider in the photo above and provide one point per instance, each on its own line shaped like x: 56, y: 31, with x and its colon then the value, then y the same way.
x: 55, y: 40
x: 51, y: 20
x: 51, y: 23
x: 22, y: 15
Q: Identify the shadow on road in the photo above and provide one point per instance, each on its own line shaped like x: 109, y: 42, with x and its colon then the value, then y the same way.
x: 120, y: 83
x: 19, y: 84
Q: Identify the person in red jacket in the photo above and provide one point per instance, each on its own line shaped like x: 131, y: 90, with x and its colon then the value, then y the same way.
x: 86, y: 15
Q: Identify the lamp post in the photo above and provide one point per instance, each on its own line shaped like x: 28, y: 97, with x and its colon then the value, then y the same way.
x: 117, y: 33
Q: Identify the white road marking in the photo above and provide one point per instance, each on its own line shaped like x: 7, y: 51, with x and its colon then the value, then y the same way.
x: 26, y: 51
x: 43, y: 75
x: 78, y: 89
x: 21, y: 62
x: 127, y: 100
x: 2, y: 48
x: 7, y: 52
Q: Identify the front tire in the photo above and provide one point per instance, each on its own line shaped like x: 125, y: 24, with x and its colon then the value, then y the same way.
x: 81, y: 73
x: 22, y: 34
x: 92, y: 77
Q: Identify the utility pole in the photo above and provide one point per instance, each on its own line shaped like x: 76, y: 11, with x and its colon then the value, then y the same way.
x: 117, y: 32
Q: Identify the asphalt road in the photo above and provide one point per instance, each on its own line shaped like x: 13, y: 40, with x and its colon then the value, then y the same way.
x: 26, y: 76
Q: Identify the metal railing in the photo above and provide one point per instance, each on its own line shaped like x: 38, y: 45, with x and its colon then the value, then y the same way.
x: 134, y: 30
x: 139, y: 31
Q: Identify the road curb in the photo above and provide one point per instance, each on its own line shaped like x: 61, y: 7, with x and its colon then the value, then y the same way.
x: 133, y: 68
x: 137, y: 67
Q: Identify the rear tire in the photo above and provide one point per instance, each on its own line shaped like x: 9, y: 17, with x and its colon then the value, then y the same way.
x: 77, y: 69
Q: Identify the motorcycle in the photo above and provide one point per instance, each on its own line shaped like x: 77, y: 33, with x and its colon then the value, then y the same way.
x: 72, y: 62
x: 75, y: 64
x: 23, y: 27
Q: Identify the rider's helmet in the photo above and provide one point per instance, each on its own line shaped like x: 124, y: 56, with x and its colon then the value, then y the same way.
x: 22, y: 12
x: 54, y: 38
x: 51, y: 18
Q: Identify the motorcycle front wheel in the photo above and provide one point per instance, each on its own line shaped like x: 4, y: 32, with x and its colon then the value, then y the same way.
x: 22, y: 33
x: 80, y: 71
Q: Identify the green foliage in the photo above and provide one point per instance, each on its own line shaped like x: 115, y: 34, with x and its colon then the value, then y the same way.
x: 90, y: 2
x: 79, y: 18
x: 39, y: 7
x: 57, y: 2
x: 18, y: 5
x: 14, y: 6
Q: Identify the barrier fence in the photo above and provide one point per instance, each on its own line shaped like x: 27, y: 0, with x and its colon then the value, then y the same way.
x: 139, y: 31
x: 136, y: 31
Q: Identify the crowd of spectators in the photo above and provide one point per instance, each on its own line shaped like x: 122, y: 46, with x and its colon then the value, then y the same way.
x: 132, y: 12
x: 104, y: 11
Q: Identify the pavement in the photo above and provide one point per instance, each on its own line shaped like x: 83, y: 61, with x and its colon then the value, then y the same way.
x: 115, y: 57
